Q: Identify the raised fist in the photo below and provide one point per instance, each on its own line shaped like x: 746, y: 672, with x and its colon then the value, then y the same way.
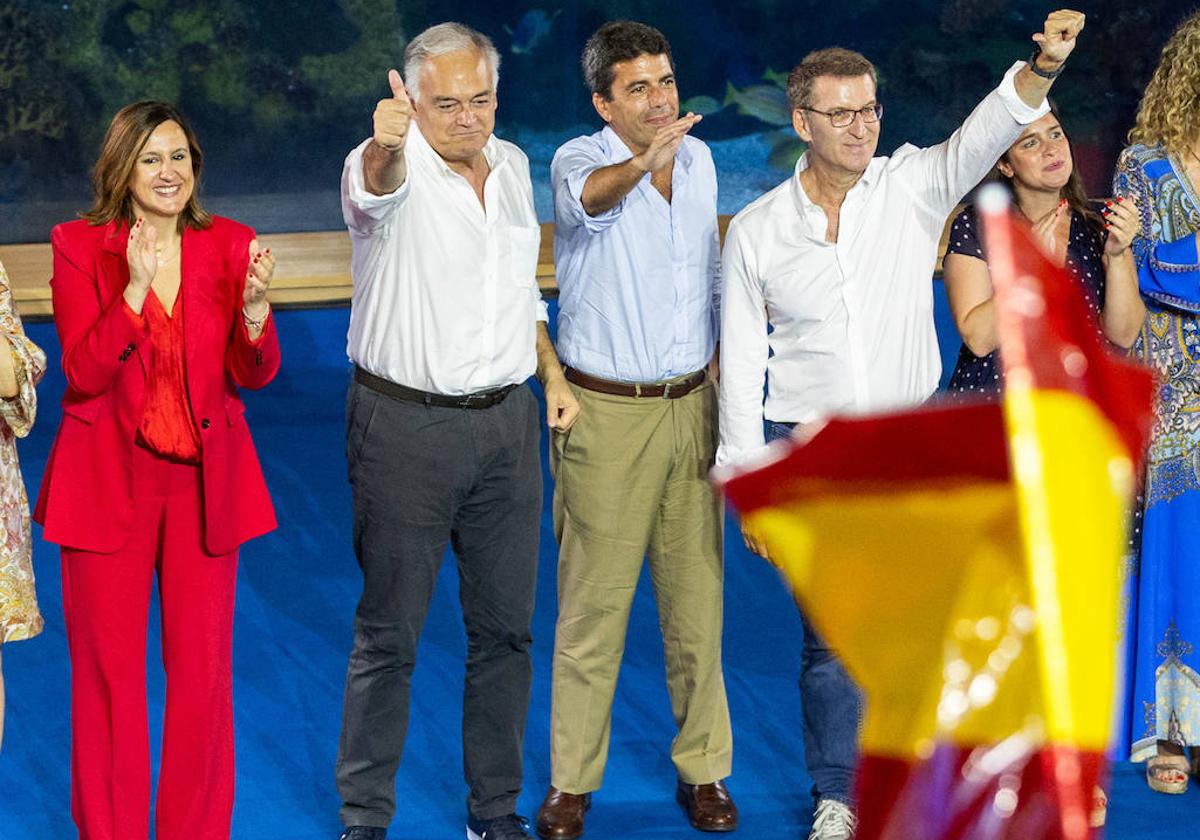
x: 1058, y: 36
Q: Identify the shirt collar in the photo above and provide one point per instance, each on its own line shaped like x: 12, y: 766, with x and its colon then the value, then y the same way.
x: 804, y: 203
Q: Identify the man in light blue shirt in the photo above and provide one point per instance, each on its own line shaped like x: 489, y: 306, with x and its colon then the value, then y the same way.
x: 638, y: 282
x: 636, y: 249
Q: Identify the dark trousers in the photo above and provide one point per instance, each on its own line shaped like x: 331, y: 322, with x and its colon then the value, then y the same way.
x: 830, y: 701
x: 424, y: 477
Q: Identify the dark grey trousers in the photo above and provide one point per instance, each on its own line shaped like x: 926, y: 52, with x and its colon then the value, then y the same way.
x: 423, y: 477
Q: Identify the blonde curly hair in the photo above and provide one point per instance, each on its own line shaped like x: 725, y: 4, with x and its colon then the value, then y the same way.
x: 1170, y: 110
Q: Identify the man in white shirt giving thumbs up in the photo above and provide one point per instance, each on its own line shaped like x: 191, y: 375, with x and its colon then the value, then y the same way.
x: 446, y: 325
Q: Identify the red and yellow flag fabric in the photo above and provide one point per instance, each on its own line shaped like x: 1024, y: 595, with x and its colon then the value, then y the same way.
x: 965, y: 563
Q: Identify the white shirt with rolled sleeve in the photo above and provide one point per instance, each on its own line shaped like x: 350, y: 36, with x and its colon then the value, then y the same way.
x: 639, y: 284
x: 445, y: 294
x: 852, y: 321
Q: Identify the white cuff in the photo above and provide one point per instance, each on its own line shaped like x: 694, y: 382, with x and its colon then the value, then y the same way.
x: 360, y: 197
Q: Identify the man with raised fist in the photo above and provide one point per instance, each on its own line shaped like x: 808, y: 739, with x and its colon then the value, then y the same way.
x: 636, y: 251
x: 446, y: 325
x: 828, y: 295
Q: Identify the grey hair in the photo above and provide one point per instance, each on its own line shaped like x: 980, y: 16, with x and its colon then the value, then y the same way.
x: 442, y: 39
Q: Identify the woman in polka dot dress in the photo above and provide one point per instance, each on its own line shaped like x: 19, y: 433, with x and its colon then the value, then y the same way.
x: 1094, y: 246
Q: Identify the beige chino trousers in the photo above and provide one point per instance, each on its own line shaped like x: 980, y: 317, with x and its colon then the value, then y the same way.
x: 631, y: 479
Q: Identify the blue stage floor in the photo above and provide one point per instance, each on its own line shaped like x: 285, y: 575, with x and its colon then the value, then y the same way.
x: 298, y: 588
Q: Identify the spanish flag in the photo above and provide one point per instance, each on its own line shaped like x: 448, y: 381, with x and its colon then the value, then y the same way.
x: 965, y: 563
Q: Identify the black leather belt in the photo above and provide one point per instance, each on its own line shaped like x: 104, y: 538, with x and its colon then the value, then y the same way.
x: 666, y: 390
x: 480, y: 399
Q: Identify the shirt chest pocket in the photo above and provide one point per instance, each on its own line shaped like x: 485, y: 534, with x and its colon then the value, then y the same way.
x: 524, y: 245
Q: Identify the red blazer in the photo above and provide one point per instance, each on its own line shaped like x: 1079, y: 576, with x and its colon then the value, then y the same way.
x: 86, y: 495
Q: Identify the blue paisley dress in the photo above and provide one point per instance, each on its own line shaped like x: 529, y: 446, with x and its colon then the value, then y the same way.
x: 1161, y: 629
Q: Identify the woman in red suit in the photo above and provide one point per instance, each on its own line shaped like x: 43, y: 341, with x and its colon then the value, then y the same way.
x: 161, y: 311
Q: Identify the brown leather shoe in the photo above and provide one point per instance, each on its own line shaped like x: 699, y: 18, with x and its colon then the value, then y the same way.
x: 561, y: 815
x: 709, y: 807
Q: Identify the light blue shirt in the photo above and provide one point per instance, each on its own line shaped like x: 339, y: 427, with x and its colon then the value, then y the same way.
x: 638, y: 284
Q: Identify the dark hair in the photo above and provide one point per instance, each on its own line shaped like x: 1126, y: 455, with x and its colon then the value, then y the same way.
x: 1072, y: 191
x: 614, y: 42
x: 126, y: 135
x: 831, y: 61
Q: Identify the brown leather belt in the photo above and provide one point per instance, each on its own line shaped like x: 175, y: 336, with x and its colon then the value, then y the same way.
x: 666, y: 390
x: 480, y: 399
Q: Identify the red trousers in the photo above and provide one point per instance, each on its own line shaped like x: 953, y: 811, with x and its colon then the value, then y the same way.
x: 106, y: 598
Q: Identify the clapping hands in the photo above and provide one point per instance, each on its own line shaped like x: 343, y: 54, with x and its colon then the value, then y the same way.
x: 259, y: 273
x: 142, y: 256
x: 1121, y: 220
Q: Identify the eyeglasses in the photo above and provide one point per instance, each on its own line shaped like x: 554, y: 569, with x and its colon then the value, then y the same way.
x: 841, y: 117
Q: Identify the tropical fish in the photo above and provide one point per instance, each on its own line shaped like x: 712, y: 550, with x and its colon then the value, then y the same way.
x: 701, y: 105
x: 785, y: 153
x: 776, y: 78
x: 533, y: 26
x: 763, y: 102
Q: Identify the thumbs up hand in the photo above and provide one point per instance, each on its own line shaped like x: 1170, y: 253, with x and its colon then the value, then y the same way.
x: 392, y: 116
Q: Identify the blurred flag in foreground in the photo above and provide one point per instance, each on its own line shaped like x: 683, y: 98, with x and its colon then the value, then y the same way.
x: 965, y: 563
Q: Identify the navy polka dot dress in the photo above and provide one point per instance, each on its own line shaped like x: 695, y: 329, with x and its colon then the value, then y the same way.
x: 975, y: 375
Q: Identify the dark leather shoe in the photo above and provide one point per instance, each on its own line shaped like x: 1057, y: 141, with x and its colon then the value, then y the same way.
x: 709, y: 807
x: 561, y: 815
x: 364, y: 832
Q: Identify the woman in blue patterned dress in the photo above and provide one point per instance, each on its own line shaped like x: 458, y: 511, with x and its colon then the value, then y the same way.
x: 1161, y: 172
x: 1091, y: 241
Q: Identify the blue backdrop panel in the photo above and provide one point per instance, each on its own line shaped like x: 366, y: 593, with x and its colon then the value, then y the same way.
x: 297, y: 591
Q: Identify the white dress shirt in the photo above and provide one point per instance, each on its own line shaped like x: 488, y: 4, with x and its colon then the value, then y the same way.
x: 638, y: 283
x: 852, y: 321
x: 445, y: 294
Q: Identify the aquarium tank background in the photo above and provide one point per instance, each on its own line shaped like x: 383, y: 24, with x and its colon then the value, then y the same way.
x: 279, y: 91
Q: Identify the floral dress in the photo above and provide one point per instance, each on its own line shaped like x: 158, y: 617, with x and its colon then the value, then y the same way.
x: 1162, y: 626
x: 19, y: 616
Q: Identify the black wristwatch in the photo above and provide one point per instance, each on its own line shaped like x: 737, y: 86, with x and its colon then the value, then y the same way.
x: 1038, y: 71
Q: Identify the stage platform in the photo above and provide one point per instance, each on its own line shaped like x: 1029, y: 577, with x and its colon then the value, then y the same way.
x: 297, y: 591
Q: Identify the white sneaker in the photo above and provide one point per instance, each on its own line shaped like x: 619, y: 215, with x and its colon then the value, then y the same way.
x: 833, y: 821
